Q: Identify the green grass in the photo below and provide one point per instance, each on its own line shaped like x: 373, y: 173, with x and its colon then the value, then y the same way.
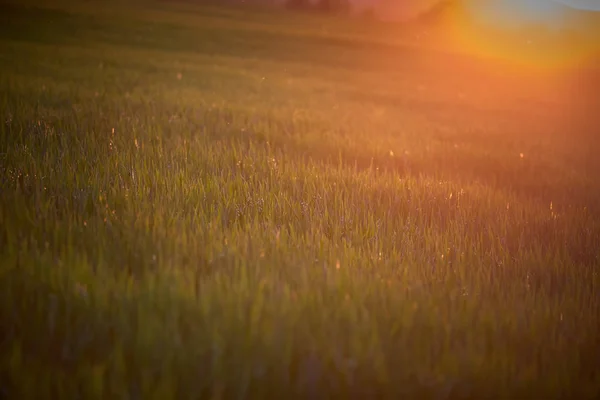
x: 204, y: 202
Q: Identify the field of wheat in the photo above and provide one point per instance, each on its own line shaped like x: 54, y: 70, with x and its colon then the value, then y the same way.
x: 219, y: 202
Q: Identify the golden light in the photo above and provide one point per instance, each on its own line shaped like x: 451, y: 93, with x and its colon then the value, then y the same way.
x: 543, y: 32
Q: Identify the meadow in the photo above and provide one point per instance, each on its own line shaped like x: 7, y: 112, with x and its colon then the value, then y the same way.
x: 219, y: 202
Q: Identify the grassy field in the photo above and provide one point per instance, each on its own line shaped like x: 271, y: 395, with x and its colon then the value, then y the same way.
x: 202, y: 202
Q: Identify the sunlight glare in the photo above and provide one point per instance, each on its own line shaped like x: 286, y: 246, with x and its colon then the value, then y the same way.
x: 544, y: 32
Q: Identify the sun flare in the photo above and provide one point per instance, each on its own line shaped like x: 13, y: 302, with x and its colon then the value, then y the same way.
x: 544, y: 32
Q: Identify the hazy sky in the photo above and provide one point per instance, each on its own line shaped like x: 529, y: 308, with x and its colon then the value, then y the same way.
x: 412, y: 4
x: 552, y: 13
x: 517, y: 12
x: 582, y: 4
x: 510, y: 12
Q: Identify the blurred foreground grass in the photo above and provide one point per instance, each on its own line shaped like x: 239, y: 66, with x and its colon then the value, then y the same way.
x: 215, y: 202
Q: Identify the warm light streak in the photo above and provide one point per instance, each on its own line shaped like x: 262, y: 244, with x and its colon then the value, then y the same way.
x: 545, y: 33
